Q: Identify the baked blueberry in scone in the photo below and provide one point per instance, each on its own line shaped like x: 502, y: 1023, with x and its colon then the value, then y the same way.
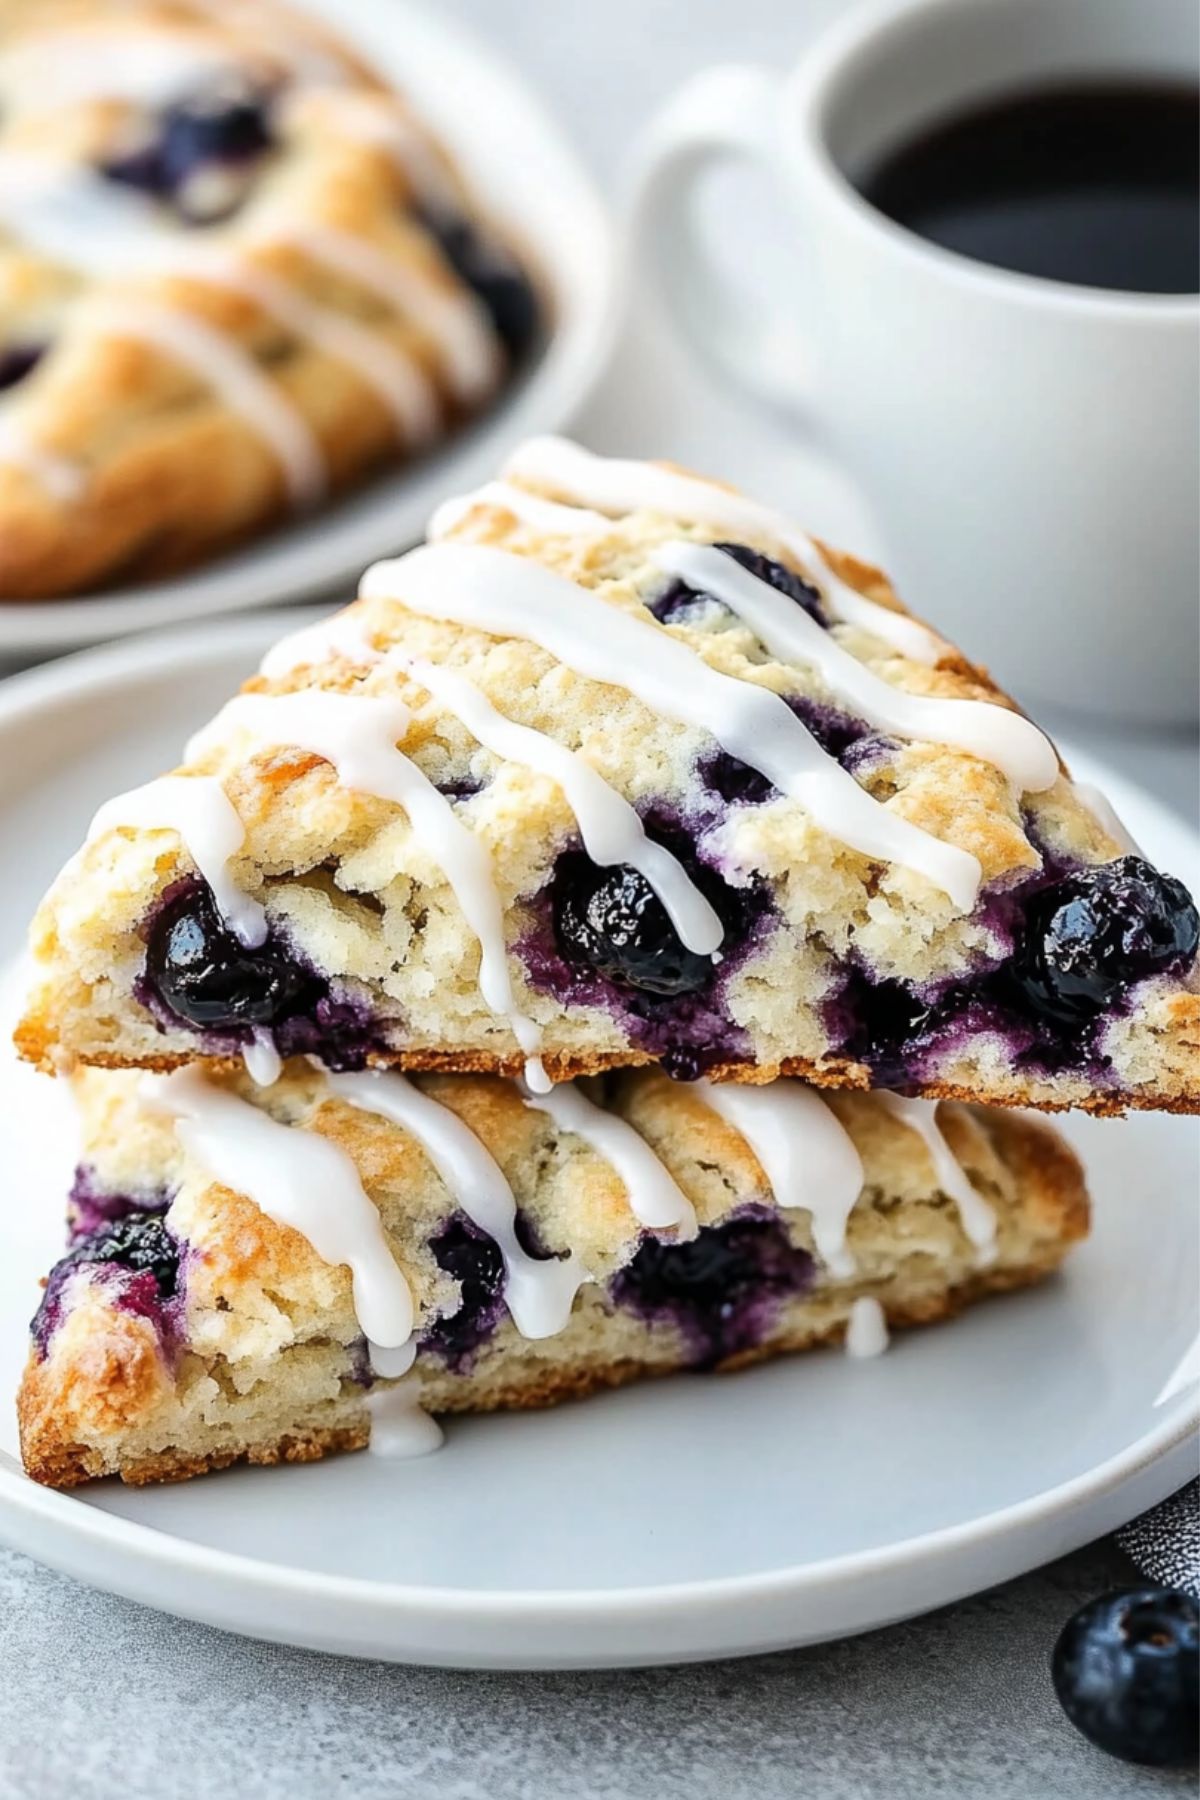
x: 236, y: 275
x: 252, y: 1270
x: 621, y: 768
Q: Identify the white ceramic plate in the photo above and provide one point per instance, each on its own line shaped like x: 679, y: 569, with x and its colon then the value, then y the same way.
x: 531, y: 181
x: 696, y: 1517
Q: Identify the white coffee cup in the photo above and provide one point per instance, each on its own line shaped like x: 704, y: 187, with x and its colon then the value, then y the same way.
x: 1030, y: 447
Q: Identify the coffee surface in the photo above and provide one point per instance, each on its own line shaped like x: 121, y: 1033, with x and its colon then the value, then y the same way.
x: 1095, y: 185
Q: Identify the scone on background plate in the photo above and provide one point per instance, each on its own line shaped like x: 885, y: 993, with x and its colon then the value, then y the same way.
x: 236, y: 275
x: 264, y: 1274
x: 621, y: 768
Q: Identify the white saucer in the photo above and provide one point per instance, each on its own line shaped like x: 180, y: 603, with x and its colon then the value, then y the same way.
x: 532, y: 182
x: 697, y: 1517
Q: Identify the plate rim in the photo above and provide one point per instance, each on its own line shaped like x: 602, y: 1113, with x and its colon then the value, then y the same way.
x: 67, y: 1532
x: 560, y: 1604
x: 547, y: 396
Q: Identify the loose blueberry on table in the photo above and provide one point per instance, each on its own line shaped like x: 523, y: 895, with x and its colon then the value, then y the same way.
x: 1126, y: 1670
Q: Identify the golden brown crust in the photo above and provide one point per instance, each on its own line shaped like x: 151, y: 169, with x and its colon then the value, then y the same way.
x: 60, y: 1465
x: 35, y: 1044
x: 262, y: 1363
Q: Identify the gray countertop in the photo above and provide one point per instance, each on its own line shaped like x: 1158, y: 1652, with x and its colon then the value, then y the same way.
x: 99, y: 1697
x: 102, y: 1698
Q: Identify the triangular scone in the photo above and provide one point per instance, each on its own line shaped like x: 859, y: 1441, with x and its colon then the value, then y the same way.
x: 672, y: 784
x: 502, y: 1255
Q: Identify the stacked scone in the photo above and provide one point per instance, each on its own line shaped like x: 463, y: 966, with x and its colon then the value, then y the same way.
x: 502, y: 998
x: 236, y: 275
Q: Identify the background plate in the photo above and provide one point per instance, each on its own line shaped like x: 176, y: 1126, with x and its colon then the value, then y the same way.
x: 698, y: 1517
x: 531, y: 181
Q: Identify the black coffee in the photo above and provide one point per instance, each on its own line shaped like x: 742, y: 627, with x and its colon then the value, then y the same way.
x: 1097, y: 185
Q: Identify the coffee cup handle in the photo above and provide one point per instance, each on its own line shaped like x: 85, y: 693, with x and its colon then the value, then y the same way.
x: 731, y: 113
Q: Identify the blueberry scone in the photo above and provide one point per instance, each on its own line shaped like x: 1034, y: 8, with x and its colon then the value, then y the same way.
x: 271, y: 1273
x: 236, y: 274
x: 619, y: 768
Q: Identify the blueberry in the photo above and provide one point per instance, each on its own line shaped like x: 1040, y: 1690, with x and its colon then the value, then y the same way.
x: 17, y: 361
x: 206, y: 977
x: 214, y: 127
x: 776, y: 575
x: 474, y: 1261
x: 92, y: 1207
x: 1126, y: 1670
x: 837, y: 732
x: 1087, y: 937
x: 678, y: 596
x: 706, y: 1273
x: 735, y: 782
x: 220, y: 126
x: 850, y: 740
x: 460, y: 787
x: 721, y: 1291
x: 138, y: 1242
x: 492, y: 274
x: 612, y: 921
x: 885, y: 1025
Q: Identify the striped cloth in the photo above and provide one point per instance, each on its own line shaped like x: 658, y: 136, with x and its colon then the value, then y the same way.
x: 1165, y: 1542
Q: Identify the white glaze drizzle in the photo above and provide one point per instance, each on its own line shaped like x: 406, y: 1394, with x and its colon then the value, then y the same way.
x: 62, y: 479
x: 993, y: 733
x: 866, y: 1328
x: 404, y: 388
x: 977, y: 1218
x: 807, y: 1155
x: 390, y: 1364
x: 538, y: 1294
x: 655, y: 1197
x: 264, y: 1065
x: 1102, y: 808
x: 144, y: 65
x: 299, y: 1179
x: 357, y: 735
x: 401, y: 1429
x: 612, y: 484
x: 540, y: 514
x: 231, y: 373
x: 343, y: 634
x: 200, y: 812
x: 453, y: 318
x: 513, y: 596
x: 73, y: 216
x: 611, y: 830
